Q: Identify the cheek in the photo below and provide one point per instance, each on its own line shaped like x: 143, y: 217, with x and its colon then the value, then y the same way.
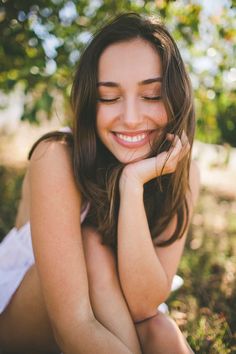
x: 157, y: 113
x: 105, y: 116
x: 163, y: 115
x: 101, y: 118
x: 103, y: 122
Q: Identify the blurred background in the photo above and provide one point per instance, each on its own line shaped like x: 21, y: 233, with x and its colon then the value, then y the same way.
x: 40, y: 44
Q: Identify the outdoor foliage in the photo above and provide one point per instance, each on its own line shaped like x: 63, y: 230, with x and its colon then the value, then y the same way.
x: 10, y: 193
x: 41, y: 43
x: 205, y: 306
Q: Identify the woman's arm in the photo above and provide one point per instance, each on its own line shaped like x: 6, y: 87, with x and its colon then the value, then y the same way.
x: 145, y: 272
x: 142, y: 276
x: 107, y: 299
x: 55, y: 225
x: 55, y: 205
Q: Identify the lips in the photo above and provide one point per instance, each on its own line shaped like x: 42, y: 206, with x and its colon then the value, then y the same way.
x: 132, y: 139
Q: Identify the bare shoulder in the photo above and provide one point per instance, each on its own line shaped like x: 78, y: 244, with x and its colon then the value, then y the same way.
x: 51, y: 161
x: 52, y: 183
x: 44, y: 159
x: 46, y: 155
x: 49, y: 151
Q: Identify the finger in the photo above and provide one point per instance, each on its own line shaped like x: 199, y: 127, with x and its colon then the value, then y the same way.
x: 175, y: 147
x: 180, y: 147
x: 167, y: 162
x: 170, y: 136
x: 184, y: 139
x: 185, y: 145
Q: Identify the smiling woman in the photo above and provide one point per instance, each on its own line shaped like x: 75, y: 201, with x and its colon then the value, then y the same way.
x: 108, y: 205
x: 131, y: 114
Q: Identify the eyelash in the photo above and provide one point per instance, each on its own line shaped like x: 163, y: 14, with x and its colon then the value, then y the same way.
x: 154, y: 98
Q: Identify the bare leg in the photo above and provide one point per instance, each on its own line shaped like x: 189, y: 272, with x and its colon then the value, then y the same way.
x: 24, y: 325
x: 161, y: 335
x: 106, y: 297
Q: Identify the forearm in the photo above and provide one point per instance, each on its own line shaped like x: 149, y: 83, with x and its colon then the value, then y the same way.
x: 90, y: 337
x: 107, y: 299
x: 143, y: 279
x: 89, y: 329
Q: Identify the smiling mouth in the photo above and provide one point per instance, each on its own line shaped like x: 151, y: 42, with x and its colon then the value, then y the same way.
x: 133, y: 139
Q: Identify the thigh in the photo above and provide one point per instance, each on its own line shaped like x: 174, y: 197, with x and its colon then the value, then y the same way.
x: 24, y: 325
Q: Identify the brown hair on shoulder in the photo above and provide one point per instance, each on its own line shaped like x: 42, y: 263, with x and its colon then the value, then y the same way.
x: 55, y: 135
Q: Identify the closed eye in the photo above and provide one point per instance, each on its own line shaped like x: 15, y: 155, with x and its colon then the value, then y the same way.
x: 108, y: 99
x: 153, y: 98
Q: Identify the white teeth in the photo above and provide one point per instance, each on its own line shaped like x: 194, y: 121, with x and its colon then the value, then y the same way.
x: 132, y: 139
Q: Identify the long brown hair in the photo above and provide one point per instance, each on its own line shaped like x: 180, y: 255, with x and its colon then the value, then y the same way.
x: 96, y: 170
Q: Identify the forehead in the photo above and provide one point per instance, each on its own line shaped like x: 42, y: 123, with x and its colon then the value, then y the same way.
x: 129, y: 60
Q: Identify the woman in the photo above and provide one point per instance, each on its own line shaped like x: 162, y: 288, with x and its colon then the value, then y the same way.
x: 108, y: 205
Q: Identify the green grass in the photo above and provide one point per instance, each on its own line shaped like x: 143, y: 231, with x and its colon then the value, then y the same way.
x: 205, y: 306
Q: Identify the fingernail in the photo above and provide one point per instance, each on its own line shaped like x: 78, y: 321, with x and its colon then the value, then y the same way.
x: 169, y: 135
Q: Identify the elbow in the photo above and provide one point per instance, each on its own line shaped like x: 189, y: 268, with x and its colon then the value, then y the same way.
x: 148, y: 309
x: 141, y: 316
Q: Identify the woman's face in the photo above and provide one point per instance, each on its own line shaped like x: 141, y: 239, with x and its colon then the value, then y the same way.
x: 130, y: 113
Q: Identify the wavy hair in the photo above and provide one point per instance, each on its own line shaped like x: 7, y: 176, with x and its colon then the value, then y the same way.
x: 96, y: 170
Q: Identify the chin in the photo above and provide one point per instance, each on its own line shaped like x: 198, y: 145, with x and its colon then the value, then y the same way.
x: 131, y: 158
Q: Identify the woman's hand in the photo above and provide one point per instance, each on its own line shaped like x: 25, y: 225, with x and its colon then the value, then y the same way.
x: 142, y: 171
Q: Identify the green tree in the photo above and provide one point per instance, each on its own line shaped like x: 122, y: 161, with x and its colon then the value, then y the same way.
x: 41, y: 44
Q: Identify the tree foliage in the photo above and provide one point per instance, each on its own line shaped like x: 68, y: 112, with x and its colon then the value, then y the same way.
x: 42, y: 42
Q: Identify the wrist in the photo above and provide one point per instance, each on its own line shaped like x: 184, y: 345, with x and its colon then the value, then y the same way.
x: 129, y: 184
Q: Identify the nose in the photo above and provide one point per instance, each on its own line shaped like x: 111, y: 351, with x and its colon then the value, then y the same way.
x: 131, y: 115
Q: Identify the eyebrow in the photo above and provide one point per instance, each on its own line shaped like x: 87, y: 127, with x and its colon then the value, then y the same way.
x: 141, y: 83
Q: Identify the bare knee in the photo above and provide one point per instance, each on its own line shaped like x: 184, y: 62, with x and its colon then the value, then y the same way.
x: 159, y: 325
x: 163, y: 323
x: 162, y: 332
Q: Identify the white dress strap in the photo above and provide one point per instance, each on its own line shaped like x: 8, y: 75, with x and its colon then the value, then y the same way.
x: 65, y: 130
